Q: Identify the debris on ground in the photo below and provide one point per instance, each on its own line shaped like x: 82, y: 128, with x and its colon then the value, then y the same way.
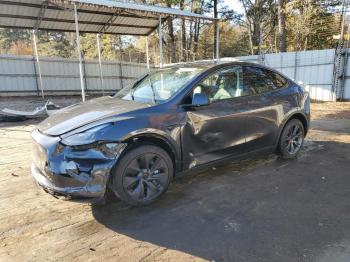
x: 10, y: 115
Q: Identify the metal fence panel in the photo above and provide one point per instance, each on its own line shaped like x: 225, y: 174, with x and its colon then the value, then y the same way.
x: 18, y: 75
x: 347, y: 78
x: 313, y: 69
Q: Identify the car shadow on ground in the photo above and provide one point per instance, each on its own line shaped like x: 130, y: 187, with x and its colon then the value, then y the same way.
x: 263, y: 209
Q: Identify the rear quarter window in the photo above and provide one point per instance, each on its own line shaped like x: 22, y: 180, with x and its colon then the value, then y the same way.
x: 256, y: 81
x: 277, y: 80
x: 259, y: 80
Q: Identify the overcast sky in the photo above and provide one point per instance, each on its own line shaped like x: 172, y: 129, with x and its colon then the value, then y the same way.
x: 235, y: 5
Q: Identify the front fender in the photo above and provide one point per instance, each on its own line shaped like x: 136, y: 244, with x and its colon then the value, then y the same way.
x: 162, y: 127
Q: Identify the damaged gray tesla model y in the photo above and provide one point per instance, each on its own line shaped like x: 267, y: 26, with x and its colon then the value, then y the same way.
x: 171, y: 120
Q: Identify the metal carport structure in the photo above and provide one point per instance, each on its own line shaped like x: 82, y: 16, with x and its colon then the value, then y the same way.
x: 90, y: 16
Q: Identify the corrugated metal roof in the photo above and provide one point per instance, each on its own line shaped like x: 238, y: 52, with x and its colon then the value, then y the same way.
x: 95, y: 16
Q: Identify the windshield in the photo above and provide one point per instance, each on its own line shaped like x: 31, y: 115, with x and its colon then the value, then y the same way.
x: 159, y: 85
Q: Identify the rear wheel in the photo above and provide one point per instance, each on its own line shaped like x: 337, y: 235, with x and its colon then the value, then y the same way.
x: 142, y: 175
x: 292, y: 139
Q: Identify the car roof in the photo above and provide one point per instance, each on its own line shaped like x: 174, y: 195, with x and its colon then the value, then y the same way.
x: 213, y: 65
x: 210, y: 64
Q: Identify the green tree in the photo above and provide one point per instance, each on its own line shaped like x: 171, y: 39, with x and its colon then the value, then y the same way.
x: 13, y: 37
x: 57, y: 44
x: 311, y: 25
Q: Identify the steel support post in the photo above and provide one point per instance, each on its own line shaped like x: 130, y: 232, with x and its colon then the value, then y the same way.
x: 82, y: 84
x: 147, y: 53
x: 41, y: 86
x: 217, y: 41
x: 160, y: 43
x: 100, y: 62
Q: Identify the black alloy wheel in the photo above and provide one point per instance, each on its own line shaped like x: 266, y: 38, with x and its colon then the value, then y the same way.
x: 142, y: 175
x: 292, y: 139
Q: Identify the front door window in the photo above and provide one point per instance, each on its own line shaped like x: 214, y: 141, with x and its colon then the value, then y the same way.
x: 222, y: 84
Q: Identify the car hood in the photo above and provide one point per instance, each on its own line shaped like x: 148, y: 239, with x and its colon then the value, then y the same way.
x: 81, y: 114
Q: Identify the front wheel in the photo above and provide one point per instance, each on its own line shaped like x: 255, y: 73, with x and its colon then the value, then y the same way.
x: 292, y: 139
x: 142, y: 175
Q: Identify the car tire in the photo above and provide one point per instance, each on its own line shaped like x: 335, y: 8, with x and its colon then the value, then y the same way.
x: 291, y: 139
x: 142, y: 175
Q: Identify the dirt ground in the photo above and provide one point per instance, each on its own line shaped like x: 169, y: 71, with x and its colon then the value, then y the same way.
x: 262, y: 209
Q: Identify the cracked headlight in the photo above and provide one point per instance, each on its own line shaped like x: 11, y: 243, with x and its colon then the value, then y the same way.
x: 84, y: 138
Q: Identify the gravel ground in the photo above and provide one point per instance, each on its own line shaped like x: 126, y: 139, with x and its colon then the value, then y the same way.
x: 261, y: 209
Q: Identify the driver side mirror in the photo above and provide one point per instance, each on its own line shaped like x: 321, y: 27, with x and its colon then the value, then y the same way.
x: 200, y: 99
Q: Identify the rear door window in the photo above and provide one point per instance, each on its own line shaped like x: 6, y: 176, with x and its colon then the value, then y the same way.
x: 277, y: 80
x: 255, y: 80
x: 259, y: 80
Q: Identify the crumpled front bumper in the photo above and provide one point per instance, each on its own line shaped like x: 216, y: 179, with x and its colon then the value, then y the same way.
x: 73, y: 173
x: 67, y: 192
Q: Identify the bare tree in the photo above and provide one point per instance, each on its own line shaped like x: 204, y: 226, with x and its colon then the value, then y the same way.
x: 183, y: 33
x: 172, y: 56
x: 215, y: 6
x: 256, y: 11
x: 282, y: 26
